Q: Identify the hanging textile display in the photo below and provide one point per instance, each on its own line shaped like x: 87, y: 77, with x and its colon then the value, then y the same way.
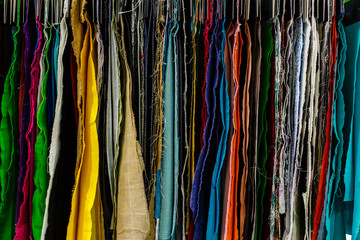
x: 179, y: 120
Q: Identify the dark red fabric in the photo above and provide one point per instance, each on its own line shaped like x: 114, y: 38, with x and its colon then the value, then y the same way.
x: 73, y: 68
x: 325, y: 159
x: 191, y: 231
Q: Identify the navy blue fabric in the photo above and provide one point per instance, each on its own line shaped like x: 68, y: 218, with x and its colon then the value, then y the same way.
x: 202, y: 180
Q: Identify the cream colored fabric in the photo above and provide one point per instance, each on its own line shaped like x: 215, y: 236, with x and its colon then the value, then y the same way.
x: 132, y: 210
x: 314, y: 52
x: 99, y: 62
x: 112, y: 108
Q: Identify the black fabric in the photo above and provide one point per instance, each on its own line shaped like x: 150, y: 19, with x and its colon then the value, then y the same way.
x: 6, y: 50
x: 63, y: 182
x: 352, y: 12
x: 105, y: 192
x: 149, y: 96
x: 185, y: 64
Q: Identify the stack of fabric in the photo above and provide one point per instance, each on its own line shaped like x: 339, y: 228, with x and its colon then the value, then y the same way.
x: 196, y: 119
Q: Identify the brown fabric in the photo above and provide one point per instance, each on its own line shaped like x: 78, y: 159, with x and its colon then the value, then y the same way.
x: 255, y: 79
x: 78, y: 34
x: 245, y: 126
